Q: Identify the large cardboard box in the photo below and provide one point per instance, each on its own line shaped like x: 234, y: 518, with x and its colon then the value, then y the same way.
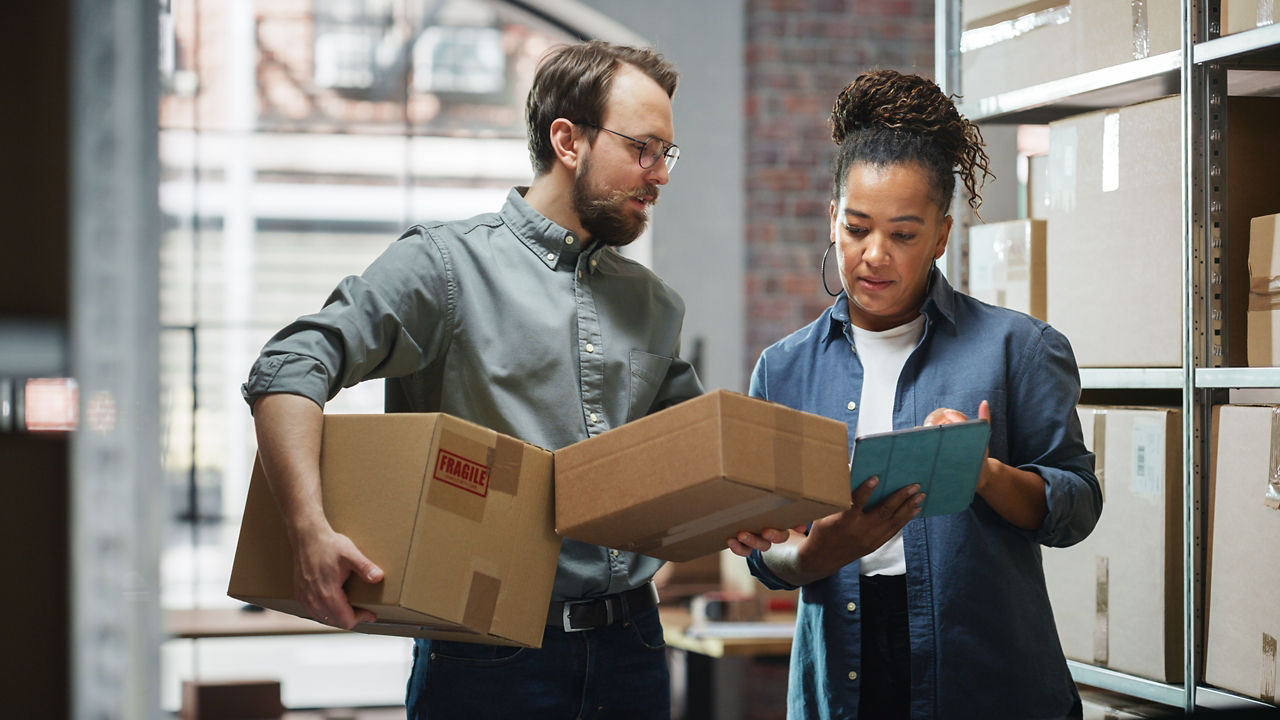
x: 1264, y: 291
x: 1242, y: 616
x: 458, y: 516
x: 1006, y: 265
x: 1241, y: 15
x: 676, y: 484
x: 1117, y: 595
x: 1011, y: 45
x: 1114, y: 243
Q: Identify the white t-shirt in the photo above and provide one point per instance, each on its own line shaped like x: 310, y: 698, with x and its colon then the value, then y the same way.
x: 883, y: 354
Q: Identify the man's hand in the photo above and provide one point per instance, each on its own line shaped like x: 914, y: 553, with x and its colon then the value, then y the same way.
x: 835, y: 540
x: 322, y: 564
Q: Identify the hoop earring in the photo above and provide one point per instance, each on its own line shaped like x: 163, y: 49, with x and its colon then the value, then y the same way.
x: 822, y: 271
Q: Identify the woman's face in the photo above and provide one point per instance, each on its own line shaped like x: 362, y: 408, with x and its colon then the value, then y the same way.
x: 888, y: 230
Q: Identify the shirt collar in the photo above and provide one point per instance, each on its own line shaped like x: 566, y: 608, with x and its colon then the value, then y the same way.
x: 939, y: 305
x: 546, y: 239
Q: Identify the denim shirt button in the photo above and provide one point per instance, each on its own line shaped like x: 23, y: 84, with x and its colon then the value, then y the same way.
x: 852, y: 606
x: 853, y: 675
x: 853, y: 405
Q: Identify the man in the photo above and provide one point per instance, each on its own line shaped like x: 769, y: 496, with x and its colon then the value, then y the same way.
x: 529, y: 322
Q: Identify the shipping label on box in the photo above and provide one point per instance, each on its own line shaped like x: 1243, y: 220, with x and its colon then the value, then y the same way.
x: 1117, y: 594
x: 458, y: 516
x: 674, y: 485
x: 1243, y: 618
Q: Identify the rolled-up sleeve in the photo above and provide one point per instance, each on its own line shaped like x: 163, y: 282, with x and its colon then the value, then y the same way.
x: 1048, y: 440
x: 387, y: 322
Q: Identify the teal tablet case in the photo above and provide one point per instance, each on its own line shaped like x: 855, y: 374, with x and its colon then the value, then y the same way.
x: 944, y: 459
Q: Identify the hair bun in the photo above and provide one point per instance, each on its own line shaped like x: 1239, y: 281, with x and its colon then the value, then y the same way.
x: 890, y: 99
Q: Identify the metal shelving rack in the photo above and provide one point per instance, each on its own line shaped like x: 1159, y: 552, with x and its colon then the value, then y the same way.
x: 1244, y: 63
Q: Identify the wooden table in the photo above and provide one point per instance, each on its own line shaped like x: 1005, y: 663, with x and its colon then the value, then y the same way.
x: 234, y: 622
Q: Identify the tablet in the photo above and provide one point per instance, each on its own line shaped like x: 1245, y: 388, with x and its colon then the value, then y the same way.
x: 944, y: 459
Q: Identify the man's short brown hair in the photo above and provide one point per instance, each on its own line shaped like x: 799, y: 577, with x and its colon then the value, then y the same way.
x: 573, y: 82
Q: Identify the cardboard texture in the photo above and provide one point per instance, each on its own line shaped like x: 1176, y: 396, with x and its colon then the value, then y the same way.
x: 1006, y: 265
x: 458, y: 516
x: 1012, y: 45
x: 1117, y: 594
x: 1252, y: 158
x: 231, y: 700
x: 1114, y: 247
x: 1243, y: 579
x: 675, y: 484
x: 1264, y: 291
x: 1240, y: 15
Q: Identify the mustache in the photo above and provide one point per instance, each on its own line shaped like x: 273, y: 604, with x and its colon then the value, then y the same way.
x: 647, y: 194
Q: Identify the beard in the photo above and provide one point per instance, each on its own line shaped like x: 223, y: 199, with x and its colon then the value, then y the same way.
x: 607, y: 215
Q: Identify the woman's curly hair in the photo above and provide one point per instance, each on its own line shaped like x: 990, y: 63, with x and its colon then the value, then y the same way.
x: 885, y: 117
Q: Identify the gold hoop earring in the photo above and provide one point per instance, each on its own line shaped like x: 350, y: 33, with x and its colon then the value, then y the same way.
x: 822, y: 269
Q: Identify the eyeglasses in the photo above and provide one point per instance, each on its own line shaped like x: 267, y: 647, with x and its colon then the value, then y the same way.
x: 650, y: 149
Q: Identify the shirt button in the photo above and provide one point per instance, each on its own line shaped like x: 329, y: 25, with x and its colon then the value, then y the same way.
x: 593, y: 262
x: 613, y: 553
x: 853, y: 405
x: 853, y: 675
x: 568, y: 239
x: 591, y: 348
x: 593, y: 417
x: 551, y: 256
x: 852, y: 607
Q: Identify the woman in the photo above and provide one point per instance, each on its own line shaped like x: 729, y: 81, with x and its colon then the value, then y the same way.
x: 950, y: 617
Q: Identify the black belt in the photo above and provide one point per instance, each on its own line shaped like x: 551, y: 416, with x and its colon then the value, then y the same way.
x: 597, y: 612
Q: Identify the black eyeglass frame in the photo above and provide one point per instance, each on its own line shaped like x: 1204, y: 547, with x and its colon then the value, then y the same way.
x: 670, y: 151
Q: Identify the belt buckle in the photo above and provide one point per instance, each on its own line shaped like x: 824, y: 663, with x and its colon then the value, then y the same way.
x: 569, y: 604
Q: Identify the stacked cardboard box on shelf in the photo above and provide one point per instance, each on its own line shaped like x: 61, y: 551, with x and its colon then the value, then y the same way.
x: 1006, y: 265
x: 1012, y: 44
x: 1242, y: 617
x: 1117, y: 595
x: 1240, y: 15
x: 1264, y: 291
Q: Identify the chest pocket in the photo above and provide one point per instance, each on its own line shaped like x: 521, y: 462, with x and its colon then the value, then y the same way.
x: 647, y: 373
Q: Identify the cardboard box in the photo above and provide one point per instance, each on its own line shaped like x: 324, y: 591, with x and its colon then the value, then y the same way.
x: 1103, y: 705
x: 1252, y: 158
x: 676, y: 484
x: 1264, y: 292
x: 231, y: 700
x: 1240, y: 15
x: 1243, y: 579
x: 458, y: 516
x: 1038, y: 186
x: 1114, y: 243
x: 1006, y: 265
x: 1117, y: 595
x: 1011, y: 45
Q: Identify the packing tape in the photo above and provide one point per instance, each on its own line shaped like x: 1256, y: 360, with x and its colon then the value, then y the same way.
x: 1264, y: 285
x: 788, y: 452
x: 1101, y: 616
x: 505, y: 459
x: 1064, y: 146
x: 1272, y: 497
x: 1100, y: 449
x: 1266, y: 12
x: 1141, y: 31
x: 1264, y: 301
x: 1267, y: 692
x: 1004, y: 27
x: 704, y: 523
x: 1111, y: 152
x: 482, y: 602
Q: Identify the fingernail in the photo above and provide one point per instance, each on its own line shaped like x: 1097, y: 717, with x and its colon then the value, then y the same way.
x: 920, y: 499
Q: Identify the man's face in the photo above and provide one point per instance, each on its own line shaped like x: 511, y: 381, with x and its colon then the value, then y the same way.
x: 611, y: 193
x: 888, y: 230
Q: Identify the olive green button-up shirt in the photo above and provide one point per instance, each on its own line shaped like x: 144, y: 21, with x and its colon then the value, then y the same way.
x: 504, y: 320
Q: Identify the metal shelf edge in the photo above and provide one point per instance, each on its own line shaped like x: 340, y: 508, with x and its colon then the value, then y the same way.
x: 1106, y: 679
x: 1058, y: 91
x: 1236, y: 44
x: 1238, y: 377
x: 1131, y: 378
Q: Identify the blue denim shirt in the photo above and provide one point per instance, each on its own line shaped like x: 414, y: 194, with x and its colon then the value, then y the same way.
x: 506, y: 321
x: 983, y: 640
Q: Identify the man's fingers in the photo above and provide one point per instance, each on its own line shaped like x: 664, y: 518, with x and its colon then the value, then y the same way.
x: 364, y: 569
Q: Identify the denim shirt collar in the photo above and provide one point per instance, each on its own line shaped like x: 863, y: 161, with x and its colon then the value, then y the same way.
x: 550, y: 242
x: 938, y: 307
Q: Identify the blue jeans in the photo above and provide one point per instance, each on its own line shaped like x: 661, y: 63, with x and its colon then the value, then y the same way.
x: 618, y: 672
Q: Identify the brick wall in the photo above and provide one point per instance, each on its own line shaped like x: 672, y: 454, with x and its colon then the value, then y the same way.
x: 799, y: 54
